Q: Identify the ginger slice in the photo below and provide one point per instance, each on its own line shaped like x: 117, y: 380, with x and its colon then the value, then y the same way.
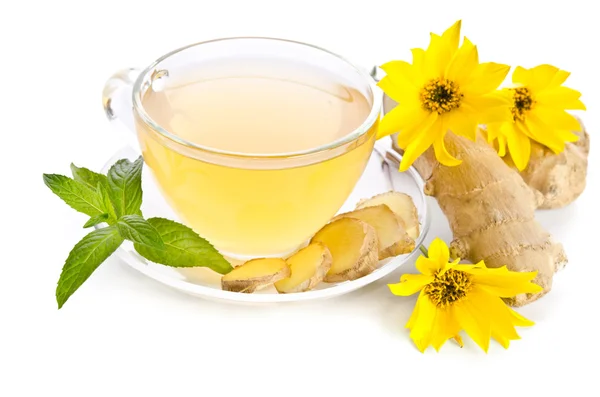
x: 353, y: 246
x: 308, y: 267
x: 255, y: 274
x: 402, y: 205
x: 392, y: 237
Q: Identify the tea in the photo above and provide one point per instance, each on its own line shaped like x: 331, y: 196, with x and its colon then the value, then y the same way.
x: 264, y: 108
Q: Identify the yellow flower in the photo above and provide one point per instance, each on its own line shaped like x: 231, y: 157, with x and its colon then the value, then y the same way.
x: 457, y: 297
x: 538, y: 103
x: 444, y: 89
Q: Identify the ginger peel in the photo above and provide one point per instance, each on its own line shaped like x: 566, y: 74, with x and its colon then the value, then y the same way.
x: 308, y: 268
x: 354, y: 248
x: 402, y: 205
x: 255, y: 274
x: 389, y: 227
x: 559, y: 178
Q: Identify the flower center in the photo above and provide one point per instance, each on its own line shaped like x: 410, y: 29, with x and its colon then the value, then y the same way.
x: 440, y: 95
x: 448, y: 288
x: 522, y: 101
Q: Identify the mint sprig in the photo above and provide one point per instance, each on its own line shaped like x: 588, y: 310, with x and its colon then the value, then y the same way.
x: 78, y: 196
x: 116, y: 199
x: 125, y: 183
x: 84, y: 258
x: 137, y: 229
x: 182, y: 248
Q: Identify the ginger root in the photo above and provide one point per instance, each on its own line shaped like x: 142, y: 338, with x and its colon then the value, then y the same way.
x: 353, y: 246
x: 402, y: 205
x: 491, y: 213
x: 255, y: 274
x: 308, y: 267
x: 389, y: 227
x: 559, y: 178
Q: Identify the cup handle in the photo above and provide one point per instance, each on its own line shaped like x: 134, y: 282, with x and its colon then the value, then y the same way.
x: 117, y: 100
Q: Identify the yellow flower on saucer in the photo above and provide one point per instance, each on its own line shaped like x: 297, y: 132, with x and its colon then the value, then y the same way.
x: 538, y: 103
x: 444, y: 89
x: 455, y: 297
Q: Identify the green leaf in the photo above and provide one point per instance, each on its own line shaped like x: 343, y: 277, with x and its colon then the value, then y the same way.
x: 99, y: 183
x: 95, y: 220
x: 183, y: 248
x: 87, y: 177
x: 77, y: 195
x: 107, y: 204
x: 84, y: 258
x: 137, y: 229
x: 125, y: 183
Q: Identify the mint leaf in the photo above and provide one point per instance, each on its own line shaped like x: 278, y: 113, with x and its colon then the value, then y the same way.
x: 84, y: 258
x: 137, y: 229
x: 77, y: 195
x: 107, y: 205
x: 183, y: 248
x: 95, y: 220
x: 87, y: 177
x: 125, y: 183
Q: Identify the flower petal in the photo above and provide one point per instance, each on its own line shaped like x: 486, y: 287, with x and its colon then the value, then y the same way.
x: 393, y: 91
x: 463, y: 63
x: 410, y: 284
x: 541, y: 132
x: 438, y: 252
x: 418, y: 58
x: 521, y: 75
x: 435, y: 58
x: 494, y: 107
x: 402, y: 74
x: 476, y: 323
x: 452, y: 35
x: 494, y: 133
x: 485, y: 78
x: 501, y: 320
x: 557, y: 118
x: 520, y: 320
x: 547, y: 76
x: 421, y: 142
x: 519, y: 144
x: 440, y: 51
x: 399, y: 118
x: 502, y: 146
x: 462, y: 122
x: 540, y: 77
x: 415, y: 313
x: 442, y: 155
x: 445, y: 326
x: 504, y: 283
x: 467, y: 268
x: 427, y: 266
x: 559, y: 78
x: 422, y: 122
x: 421, y: 331
x: 418, y: 68
x: 561, y: 98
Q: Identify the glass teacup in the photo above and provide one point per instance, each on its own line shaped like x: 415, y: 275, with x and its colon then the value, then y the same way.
x: 254, y: 142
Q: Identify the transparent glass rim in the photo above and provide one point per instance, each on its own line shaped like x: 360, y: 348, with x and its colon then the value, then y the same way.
x: 350, y: 137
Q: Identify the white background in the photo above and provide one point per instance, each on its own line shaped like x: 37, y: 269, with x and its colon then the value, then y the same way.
x: 124, y: 335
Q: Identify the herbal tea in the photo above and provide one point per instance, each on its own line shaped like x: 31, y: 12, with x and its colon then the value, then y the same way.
x: 243, y: 206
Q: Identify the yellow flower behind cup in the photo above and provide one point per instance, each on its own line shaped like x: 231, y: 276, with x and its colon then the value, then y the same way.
x: 455, y: 297
x: 444, y: 89
x: 537, y: 103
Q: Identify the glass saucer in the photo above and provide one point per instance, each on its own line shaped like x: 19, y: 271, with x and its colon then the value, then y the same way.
x: 379, y: 176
